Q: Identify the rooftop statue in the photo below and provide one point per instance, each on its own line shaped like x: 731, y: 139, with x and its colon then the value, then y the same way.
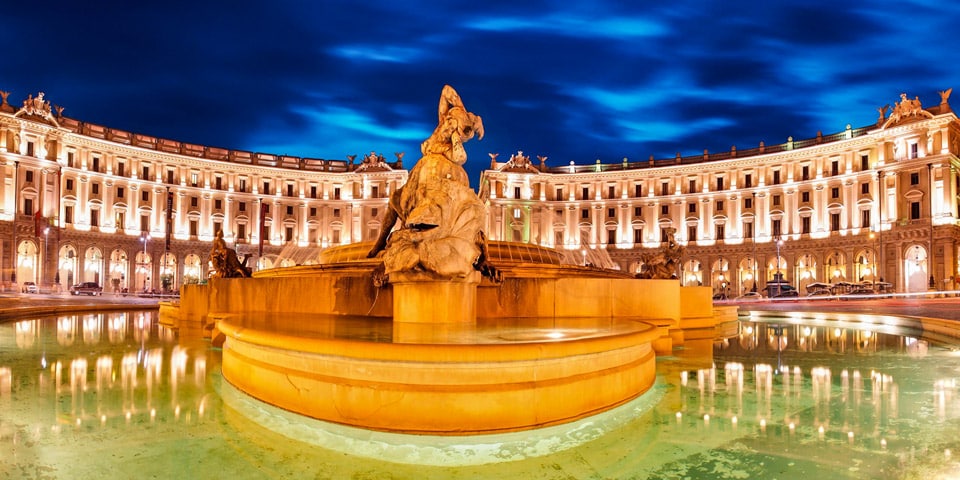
x: 438, y: 215
x: 225, y: 262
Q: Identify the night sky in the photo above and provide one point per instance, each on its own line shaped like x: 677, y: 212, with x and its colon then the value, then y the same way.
x: 568, y: 80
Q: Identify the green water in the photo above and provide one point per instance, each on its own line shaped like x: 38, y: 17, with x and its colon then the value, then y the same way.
x: 116, y: 395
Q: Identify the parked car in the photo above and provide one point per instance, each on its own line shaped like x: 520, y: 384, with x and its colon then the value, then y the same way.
x: 86, y: 288
x: 29, y: 287
x: 780, y: 290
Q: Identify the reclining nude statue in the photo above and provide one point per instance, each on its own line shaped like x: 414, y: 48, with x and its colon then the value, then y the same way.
x: 439, y: 216
x: 225, y: 261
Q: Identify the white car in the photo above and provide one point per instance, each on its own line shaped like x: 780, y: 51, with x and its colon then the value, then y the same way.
x: 30, y: 287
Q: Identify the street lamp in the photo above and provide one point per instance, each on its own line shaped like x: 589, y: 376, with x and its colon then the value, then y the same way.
x: 43, y: 269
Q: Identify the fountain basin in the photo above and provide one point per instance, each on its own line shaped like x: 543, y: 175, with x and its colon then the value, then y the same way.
x: 446, y: 379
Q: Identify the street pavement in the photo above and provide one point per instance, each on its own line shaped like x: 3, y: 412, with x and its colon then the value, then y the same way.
x: 947, y: 308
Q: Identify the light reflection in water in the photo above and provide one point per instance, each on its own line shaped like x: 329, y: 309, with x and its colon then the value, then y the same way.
x: 780, y: 393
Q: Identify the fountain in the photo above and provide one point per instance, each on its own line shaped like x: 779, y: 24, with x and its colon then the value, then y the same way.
x: 433, y: 330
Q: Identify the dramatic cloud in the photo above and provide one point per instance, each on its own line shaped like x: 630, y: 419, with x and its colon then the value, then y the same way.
x: 574, y: 81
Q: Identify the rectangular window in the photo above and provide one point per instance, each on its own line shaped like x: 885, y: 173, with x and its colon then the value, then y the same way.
x: 241, y: 232
x: 144, y: 196
x: 664, y: 210
x: 29, y: 176
x: 68, y: 214
x: 375, y: 192
x: 313, y: 191
x: 865, y: 188
x: 748, y: 230
x: 914, y: 178
x: 611, y: 192
x: 30, y: 149
x: 692, y: 208
x: 218, y: 182
x: 835, y: 222
x: 144, y: 223
x: 720, y: 233
x: 719, y: 183
x: 804, y: 224
x: 288, y: 234
x: 218, y: 204
x: 664, y: 188
x: 28, y: 206
x: 289, y: 210
x: 719, y: 205
x: 194, y: 201
x: 194, y: 178
x: 313, y: 211
x: 336, y: 194
x: 864, y: 218
x: 70, y: 159
x: 805, y: 172
x: 119, y: 220
x: 748, y: 203
x: 664, y: 237
x: 776, y: 177
x: 693, y: 186
x: 559, y: 194
x: 835, y: 192
x: 336, y: 237
x: 217, y: 226
x: 94, y: 217
x: 96, y: 164
x: 748, y: 180
x: 120, y: 168
x: 242, y: 206
x: 243, y: 185
x: 611, y: 212
x: 145, y: 173
x: 804, y: 197
x: 835, y: 168
x: 914, y: 210
x: 914, y: 150
x: 864, y: 162
x: 776, y: 200
x: 194, y: 227
x: 584, y: 213
x: 336, y: 213
x: 611, y: 237
x: 586, y: 193
x: 95, y: 188
x: 266, y: 188
x: 637, y: 211
x: 776, y: 228
x: 637, y: 190
x: 170, y: 177
x: 289, y: 189
x: 637, y: 235
x: 119, y: 192
x: 69, y: 184
x: 691, y: 233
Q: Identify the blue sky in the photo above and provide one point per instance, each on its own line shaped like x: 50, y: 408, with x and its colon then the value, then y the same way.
x: 573, y: 81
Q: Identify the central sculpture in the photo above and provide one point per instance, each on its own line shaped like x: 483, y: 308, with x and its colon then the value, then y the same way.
x: 439, y: 215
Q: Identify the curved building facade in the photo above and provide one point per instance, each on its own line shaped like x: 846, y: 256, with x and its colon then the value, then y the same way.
x: 872, y: 204
x: 82, y: 202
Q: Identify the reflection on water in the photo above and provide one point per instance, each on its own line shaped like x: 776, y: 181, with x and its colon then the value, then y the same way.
x: 120, y: 396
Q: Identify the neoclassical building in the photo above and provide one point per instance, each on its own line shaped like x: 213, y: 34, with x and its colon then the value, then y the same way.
x: 870, y: 204
x: 83, y: 202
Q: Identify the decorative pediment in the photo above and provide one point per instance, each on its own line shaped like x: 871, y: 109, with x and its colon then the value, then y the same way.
x: 906, y: 110
x: 520, y: 163
x: 38, y: 107
x: 374, y: 162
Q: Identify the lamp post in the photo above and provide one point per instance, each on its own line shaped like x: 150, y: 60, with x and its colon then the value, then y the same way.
x: 43, y: 266
x: 144, y: 238
x: 778, y: 277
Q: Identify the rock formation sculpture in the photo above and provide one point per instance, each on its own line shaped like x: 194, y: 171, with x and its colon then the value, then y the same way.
x: 663, y: 262
x: 439, y: 216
